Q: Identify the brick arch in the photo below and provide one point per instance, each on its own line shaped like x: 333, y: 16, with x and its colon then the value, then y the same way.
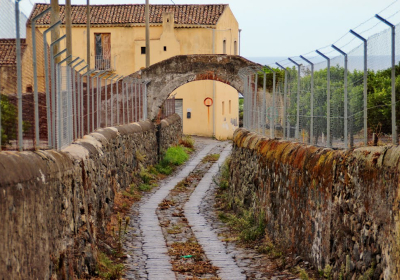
x: 168, y: 75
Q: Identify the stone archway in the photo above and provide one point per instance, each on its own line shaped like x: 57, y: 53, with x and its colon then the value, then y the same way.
x: 166, y: 76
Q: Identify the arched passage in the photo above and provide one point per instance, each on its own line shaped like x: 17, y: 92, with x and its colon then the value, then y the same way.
x: 219, y: 119
x: 166, y: 76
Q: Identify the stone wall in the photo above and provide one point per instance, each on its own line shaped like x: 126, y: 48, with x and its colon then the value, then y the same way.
x: 332, y: 207
x: 55, y: 203
x: 170, y: 132
x: 168, y: 75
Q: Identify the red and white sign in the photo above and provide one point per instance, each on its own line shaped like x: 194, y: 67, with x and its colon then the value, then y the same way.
x: 208, y: 101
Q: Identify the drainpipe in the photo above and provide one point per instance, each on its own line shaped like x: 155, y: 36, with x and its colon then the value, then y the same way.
x: 213, y: 109
x: 240, y: 43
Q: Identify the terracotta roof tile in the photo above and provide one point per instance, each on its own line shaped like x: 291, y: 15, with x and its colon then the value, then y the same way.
x: 128, y: 14
x: 8, y: 53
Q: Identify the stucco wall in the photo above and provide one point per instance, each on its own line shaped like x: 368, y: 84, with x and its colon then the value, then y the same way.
x: 202, y: 118
x: 332, y: 207
x: 55, y: 203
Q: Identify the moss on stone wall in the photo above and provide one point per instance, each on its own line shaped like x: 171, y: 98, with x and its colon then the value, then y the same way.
x: 321, y: 203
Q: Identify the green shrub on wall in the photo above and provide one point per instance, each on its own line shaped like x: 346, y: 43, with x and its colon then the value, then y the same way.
x: 8, y: 120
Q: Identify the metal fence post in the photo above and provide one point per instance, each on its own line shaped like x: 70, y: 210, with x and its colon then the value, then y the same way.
x: 69, y: 134
x: 88, y: 98
x: 133, y: 97
x: 311, y: 101
x: 264, y: 104
x: 112, y: 100
x: 53, y: 85
x: 272, y: 128
x: 249, y: 99
x: 273, y: 102
x: 123, y: 99
x: 118, y: 97
x: 137, y: 96
x: 328, y: 100
x: 250, y: 111
x: 50, y: 123
x: 297, y: 133
x: 249, y: 93
x: 81, y: 99
x: 256, y: 115
x: 35, y: 85
x: 101, y: 74
x: 127, y: 99
x: 365, y: 86
x: 19, y: 76
x: 244, y: 100
x: 145, y: 116
x: 285, y: 133
x: 74, y: 93
x: 345, y: 96
x: 393, y: 77
x: 137, y: 99
x: 106, y: 101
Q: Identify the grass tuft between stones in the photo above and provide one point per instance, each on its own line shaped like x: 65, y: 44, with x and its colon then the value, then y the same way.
x: 210, y: 158
x: 174, y: 156
x: 108, y: 269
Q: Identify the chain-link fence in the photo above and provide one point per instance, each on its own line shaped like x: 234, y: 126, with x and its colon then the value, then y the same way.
x: 333, y: 97
x: 48, y: 99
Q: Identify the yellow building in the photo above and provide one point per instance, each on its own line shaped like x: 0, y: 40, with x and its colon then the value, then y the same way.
x: 117, y: 44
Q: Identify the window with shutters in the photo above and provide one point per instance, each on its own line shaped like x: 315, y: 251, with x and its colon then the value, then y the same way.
x: 103, y: 51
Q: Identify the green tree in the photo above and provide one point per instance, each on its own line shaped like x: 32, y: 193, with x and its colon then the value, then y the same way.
x: 8, y: 120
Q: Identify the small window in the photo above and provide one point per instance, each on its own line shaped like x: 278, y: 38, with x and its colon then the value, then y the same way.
x: 167, y: 19
x: 102, y: 51
x: 224, y: 47
x: 143, y: 50
x: 165, y: 48
x: 235, y: 48
x: 223, y: 108
x: 230, y: 108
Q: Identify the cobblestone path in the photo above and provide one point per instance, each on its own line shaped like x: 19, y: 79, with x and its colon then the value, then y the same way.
x: 213, y: 247
x: 180, y: 212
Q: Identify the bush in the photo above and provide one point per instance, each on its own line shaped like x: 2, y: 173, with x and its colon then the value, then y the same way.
x: 108, y: 269
x: 164, y: 168
x: 145, y: 187
x: 146, y: 176
x: 8, y: 120
x: 176, y: 155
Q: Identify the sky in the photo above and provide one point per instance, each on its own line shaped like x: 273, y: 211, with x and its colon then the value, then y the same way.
x: 288, y: 28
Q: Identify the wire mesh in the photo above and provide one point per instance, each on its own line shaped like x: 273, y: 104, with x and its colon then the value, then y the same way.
x: 292, y: 130
x: 321, y: 103
x: 331, y: 100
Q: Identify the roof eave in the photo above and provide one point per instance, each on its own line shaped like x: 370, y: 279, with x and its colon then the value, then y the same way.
x: 129, y: 25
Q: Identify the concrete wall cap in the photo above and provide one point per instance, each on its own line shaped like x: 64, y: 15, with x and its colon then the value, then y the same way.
x: 99, y: 137
x: 129, y: 128
x: 164, y: 123
x: 77, y: 152
x: 146, y: 125
x: 21, y: 167
x: 109, y: 133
